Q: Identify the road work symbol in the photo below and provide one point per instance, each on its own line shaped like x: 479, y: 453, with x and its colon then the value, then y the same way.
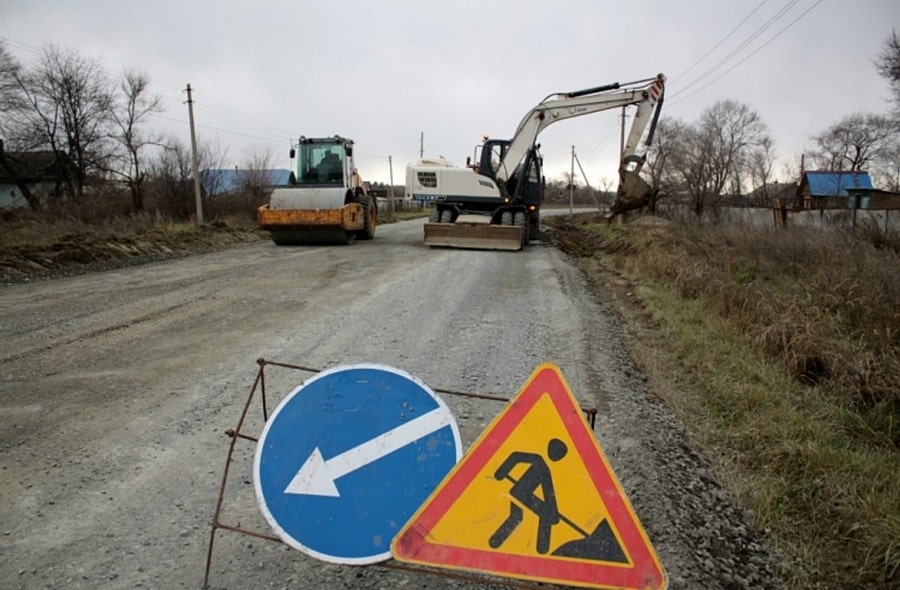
x: 534, y: 498
x: 534, y: 491
x: 524, y: 491
x: 348, y: 456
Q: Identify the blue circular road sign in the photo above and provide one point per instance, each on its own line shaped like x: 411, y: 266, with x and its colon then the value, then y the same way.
x: 347, y: 458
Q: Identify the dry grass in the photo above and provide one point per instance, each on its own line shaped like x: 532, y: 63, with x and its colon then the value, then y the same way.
x: 102, y: 217
x: 780, y: 350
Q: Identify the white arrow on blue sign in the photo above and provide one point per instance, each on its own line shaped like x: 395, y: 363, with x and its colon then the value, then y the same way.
x: 347, y: 458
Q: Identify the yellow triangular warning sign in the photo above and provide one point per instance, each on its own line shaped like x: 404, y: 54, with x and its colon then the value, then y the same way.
x: 535, y: 498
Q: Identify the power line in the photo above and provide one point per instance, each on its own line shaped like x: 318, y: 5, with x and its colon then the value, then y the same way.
x: 755, y: 51
x: 32, y: 61
x: 237, y: 116
x: 604, y: 137
x: 719, y: 44
x: 743, y: 45
x: 220, y: 130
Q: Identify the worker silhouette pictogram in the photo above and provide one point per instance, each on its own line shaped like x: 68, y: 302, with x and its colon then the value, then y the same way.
x: 524, y: 491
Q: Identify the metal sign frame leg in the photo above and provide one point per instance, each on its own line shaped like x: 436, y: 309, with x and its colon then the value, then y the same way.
x: 259, y: 384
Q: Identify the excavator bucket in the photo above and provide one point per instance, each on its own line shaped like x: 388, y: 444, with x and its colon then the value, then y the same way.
x: 633, y: 193
x: 475, y: 236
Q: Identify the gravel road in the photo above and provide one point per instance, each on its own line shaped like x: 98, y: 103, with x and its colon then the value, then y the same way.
x: 117, y: 388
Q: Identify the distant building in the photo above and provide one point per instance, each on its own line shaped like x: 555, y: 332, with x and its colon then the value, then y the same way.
x: 873, y: 198
x: 830, y: 190
x: 223, y: 181
x: 39, y: 173
x: 766, y: 195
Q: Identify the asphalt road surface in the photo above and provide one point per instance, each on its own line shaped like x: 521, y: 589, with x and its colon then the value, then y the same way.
x: 117, y: 389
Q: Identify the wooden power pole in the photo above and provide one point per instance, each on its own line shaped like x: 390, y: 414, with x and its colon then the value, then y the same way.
x: 572, y: 183
x: 391, y: 190
x: 196, y: 160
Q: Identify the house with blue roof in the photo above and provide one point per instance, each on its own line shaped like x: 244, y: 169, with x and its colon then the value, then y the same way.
x: 222, y: 181
x: 831, y: 190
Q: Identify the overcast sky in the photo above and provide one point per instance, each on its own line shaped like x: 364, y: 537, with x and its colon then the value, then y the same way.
x: 385, y: 72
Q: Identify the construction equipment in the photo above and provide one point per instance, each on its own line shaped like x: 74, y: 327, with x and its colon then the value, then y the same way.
x: 326, y: 201
x: 495, y: 203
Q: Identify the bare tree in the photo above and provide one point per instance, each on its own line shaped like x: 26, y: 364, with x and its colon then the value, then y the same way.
x: 172, y: 179
x: 713, y: 154
x: 69, y: 111
x: 607, y: 188
x: 10, y: 91
x: 567, y: 179
x: 886, y: 174
x: 760, y: 163
x: 888, y: 66
x: 135, y: 105
x: 255, y: 177
x: 662, y: 154
x: 855, y: 142
x: 172, y: 174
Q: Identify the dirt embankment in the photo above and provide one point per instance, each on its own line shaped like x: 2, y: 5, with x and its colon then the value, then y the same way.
x: 80, y: 253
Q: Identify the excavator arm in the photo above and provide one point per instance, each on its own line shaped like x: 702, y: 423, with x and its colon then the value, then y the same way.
x: 647, y: 94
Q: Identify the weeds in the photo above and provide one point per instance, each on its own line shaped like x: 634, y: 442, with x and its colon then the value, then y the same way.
x: 782, y: 350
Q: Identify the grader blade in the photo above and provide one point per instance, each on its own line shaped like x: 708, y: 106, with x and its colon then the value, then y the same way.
x: 474, y: 236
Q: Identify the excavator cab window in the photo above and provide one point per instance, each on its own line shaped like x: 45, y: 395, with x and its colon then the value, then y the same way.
x: 492, y: 152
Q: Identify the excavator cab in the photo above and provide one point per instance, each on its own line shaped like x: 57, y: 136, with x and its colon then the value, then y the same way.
x: 525, y: 187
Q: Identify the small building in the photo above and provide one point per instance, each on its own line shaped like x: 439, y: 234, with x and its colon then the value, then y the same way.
x: 767, y: 194
x: 873, y: 198
x: 38, y: 174
x: 830, y: 190
x: 223, y: 181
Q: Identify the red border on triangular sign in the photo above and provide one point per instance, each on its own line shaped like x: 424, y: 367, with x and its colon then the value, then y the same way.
x: 412, y: 543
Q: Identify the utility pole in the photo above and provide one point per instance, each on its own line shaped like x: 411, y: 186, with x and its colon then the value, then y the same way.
x: 572, y: 183
x: 391, y: 193
x: 195, y: 157
x: 587, y: 183
x: 422, y: 144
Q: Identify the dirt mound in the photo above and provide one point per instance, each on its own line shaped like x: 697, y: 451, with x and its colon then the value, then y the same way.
x: 79, y: 253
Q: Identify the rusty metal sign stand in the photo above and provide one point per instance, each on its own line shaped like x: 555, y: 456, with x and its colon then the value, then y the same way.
x: 236, y: 434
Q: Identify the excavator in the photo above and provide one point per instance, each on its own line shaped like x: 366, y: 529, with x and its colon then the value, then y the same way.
x: 495, y: 202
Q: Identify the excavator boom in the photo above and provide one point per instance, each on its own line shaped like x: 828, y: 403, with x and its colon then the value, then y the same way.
x: 646, y: 94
